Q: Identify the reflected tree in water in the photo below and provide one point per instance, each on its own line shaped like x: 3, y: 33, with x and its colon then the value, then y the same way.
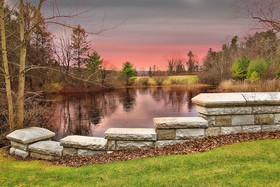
x: 78, y: 113
x: 95, y: 115
x: 157, y: 94
x: 174, y: 97
x: 128, y: 98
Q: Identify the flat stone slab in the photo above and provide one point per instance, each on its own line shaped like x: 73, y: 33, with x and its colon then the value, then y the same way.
x: 219, y: 99
x: 86, y: 152
x: 30, y: 135
x: 237, y: 99
x: 131, y: 134
x: 262, y: 98
x: 162, y: 143
x: 21, y: 153
x: 134, y: 145
x: 84, y: 142
x: 180, y: 122
x: 42, y: 156
x: 46, y: 148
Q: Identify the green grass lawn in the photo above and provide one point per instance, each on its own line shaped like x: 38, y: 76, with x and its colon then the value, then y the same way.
x: 243, y: 164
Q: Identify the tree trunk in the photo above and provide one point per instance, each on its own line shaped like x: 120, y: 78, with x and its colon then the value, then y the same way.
x: 21, y: 78
x: 22, y: 62
x: 6, y: 68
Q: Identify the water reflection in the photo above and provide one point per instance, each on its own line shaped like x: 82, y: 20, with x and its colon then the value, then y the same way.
x: 127, y: 99
x: 93, y: 114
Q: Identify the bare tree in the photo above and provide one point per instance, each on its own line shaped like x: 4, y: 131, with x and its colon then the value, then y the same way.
x: 176, y: 64
x: 63, y: 52
x: 6, y: 67
x: 105, y: 70
x: 266, y: 12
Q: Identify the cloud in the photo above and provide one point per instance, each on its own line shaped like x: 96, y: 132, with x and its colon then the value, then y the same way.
x: 163, y: 24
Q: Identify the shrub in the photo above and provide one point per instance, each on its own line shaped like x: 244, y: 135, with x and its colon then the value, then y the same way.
x: 144, y: 81
x: 254, y: 77
x: 239, y: 68
x: 159, y: 80
x: 257, y: 68
x: 211, y: 77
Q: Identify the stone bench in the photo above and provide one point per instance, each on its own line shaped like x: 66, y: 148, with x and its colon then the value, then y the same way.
x: 47, y: 150
x: 229, y: 113
x: 21, y: 139
x: 83, y: 145
x: 130, y: 138
x: 180, y: 128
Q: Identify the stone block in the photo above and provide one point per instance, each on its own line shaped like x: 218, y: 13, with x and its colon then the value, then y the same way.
x: 262, y: 98
x: 42, y: 156
x: 162, y: 143
x: 210, y: 119
x: 224, y: 110
x: 111, y: 145
x: 264, y: 119
x: 69, y: 151
x: 266, y: 109
x: 12, y: 151
x: 21, y: 153
x: 213, y: 131
x: 219, y: 99
x: 188, y: 134
x: 87, y: 152
x: 46, y: 148
x: 166, y: 134
x: 134, y: 145
x: 238, y: 120
x: 276, y: 118
x: 266, y: 128
x: 130, y: 134
x: 223, y: 121
x: 84, y: 142
x: 251, y: 128
x: 230, y: 130
x: 30, y: 135
x: 21, y: 146
x: 180, y: 122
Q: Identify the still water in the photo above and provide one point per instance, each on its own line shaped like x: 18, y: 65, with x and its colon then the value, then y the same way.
x: 92, y: 114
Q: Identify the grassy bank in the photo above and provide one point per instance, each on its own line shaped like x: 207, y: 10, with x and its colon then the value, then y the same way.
x: 167, y: 80
x: 247, y: 86
x: 243, y: 164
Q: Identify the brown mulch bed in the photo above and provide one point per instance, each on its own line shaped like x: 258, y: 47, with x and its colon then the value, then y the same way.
x: 195, y: 146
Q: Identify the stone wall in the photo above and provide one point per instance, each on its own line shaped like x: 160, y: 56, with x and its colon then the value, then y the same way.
x: 219, y: 114
x: 229, y: 113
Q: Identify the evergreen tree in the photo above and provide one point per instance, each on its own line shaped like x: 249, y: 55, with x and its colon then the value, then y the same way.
x: 79, y: 45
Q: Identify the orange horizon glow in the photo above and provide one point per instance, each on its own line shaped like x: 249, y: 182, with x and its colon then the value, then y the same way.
x: 144, y: 56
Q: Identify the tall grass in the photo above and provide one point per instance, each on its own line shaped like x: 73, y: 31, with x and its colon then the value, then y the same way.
x: 247, y: 86
x: 186, y: 80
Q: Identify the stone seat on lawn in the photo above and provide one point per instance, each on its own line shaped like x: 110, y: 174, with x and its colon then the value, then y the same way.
x: 84, y: 142
x: 30, y: 135
x: 45, y: 149
x: 131, y: 134
x: 180, y: 122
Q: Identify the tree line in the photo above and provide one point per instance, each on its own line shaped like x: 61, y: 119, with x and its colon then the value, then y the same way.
x: 255, y: 57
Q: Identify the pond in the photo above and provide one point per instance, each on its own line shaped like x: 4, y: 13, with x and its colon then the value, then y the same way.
x: 92, y: 114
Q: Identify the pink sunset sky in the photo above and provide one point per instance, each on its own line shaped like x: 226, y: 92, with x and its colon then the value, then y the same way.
x: 147, y: 32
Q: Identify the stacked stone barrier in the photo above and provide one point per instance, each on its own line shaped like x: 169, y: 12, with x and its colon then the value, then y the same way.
x: 229, y: 113
x: 23, y: 138
x: 219, y: 114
